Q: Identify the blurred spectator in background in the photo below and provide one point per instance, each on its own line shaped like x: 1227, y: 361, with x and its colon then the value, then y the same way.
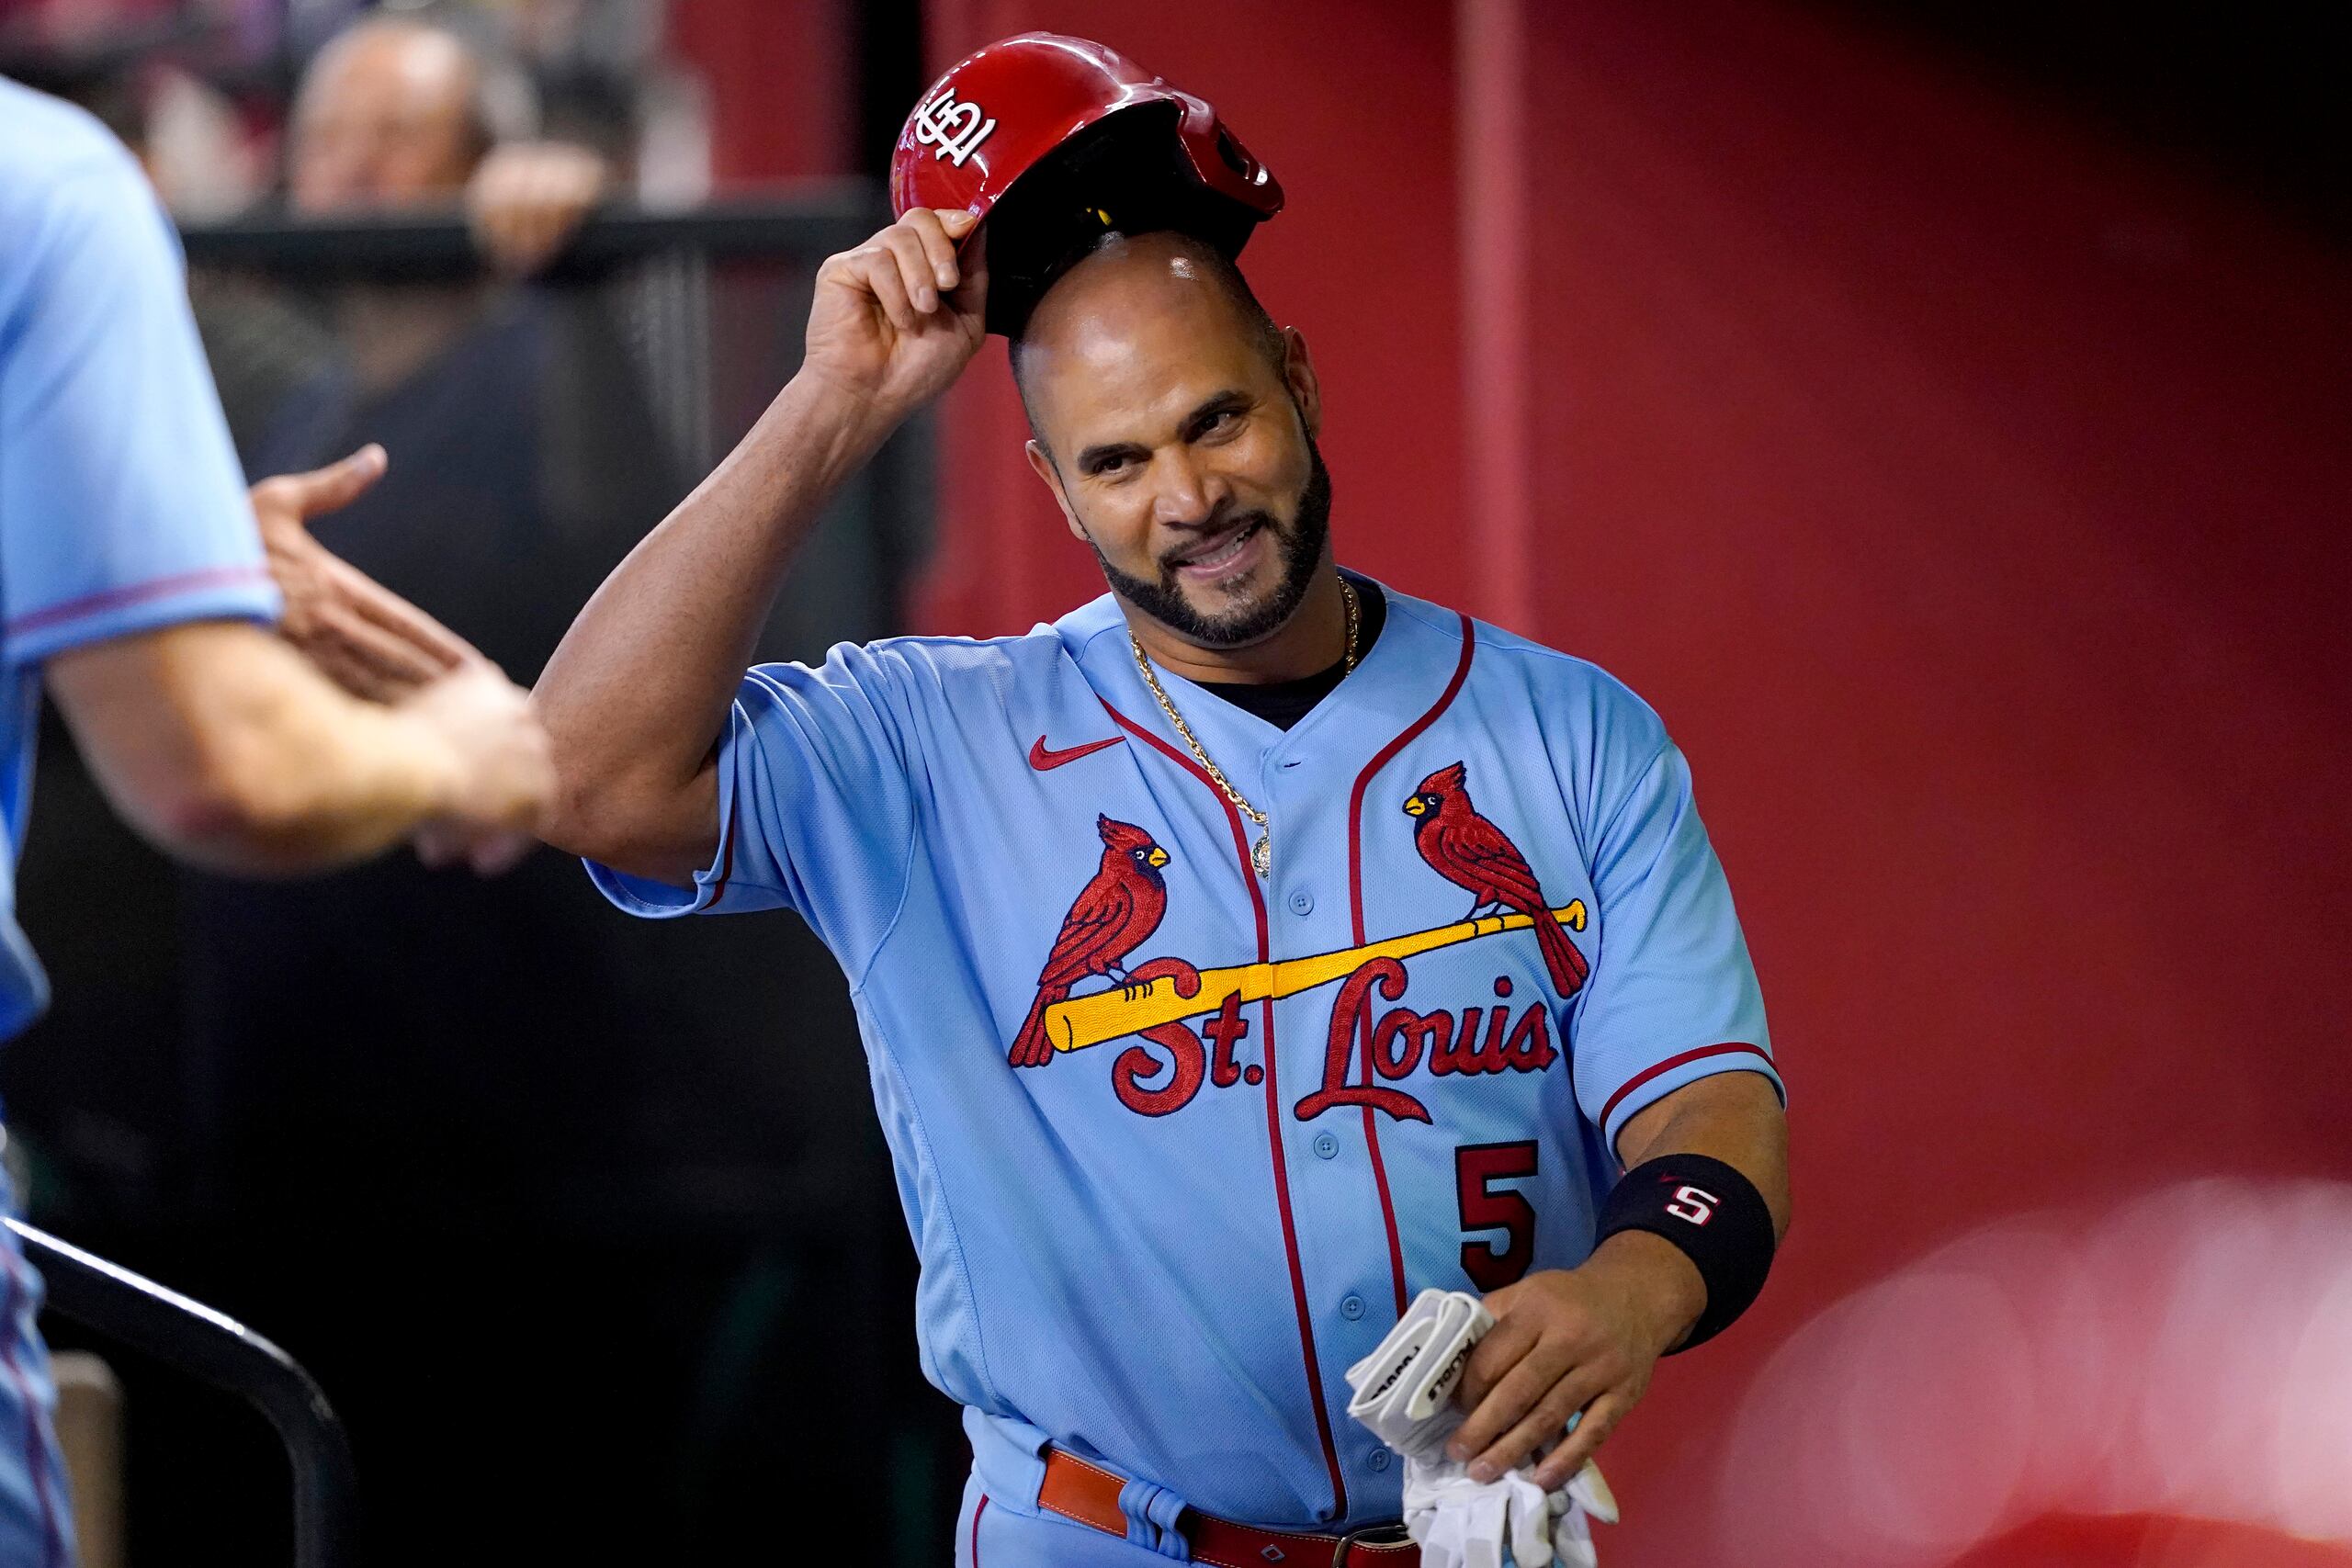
x: 397, y: 115
x: 132, y: 580
x: 485, y: 392
x: 524, y: 464
x: 620, y: 1202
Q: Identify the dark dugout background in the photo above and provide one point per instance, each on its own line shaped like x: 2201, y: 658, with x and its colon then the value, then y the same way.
x: 1937, y: 412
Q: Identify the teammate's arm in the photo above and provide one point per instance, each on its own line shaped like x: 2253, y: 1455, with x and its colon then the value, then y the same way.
x: 637, y: 696
x: 223, y: 746
x: 1586, y: 1338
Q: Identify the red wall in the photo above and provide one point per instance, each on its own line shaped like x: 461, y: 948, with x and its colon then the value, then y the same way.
x: 782, y: 87
x: 1970, y: 497
x: 1968, y: 494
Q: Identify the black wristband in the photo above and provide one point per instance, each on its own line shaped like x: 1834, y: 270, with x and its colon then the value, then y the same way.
x: 1713, y: 1215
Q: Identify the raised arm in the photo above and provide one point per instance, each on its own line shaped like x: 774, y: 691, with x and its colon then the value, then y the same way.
x: 637, y: 696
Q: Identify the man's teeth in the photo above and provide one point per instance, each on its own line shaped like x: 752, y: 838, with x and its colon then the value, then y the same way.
x: 1226, y: 551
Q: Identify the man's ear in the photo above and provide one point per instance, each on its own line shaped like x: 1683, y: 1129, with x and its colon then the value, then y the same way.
x: 1298, y: 371
x: 1041, y: 463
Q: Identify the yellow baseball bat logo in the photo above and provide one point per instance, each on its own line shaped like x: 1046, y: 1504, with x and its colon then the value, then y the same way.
x: 1081, y: 1021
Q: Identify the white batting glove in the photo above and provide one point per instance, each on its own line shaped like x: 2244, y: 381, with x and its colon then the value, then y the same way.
x: 1404, y: 1390
x: 1587, y: 1498
x: 1462, y: 1523
x: 1404, y: 1393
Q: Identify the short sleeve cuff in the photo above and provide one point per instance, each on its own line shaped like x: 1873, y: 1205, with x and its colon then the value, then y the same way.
x: 1661, y: 1078
x: 650, y: 900
x: 242, y: 593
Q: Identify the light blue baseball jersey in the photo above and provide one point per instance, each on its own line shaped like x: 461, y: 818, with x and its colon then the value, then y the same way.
x: 121, y: 506
x: 1178, y: 1142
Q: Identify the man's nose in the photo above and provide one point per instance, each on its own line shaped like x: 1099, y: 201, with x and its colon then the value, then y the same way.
x: 1190, y: 494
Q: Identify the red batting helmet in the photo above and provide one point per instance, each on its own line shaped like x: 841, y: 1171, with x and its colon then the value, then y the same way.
x: 1092, y: 140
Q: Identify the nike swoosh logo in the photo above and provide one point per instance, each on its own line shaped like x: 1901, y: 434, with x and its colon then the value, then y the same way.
x: 1042, y: 760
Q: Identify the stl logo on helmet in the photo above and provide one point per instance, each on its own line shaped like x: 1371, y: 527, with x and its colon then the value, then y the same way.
x: 956, y: 128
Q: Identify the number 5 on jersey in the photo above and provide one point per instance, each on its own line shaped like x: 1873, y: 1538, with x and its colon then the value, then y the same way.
x: 1476, y: 1167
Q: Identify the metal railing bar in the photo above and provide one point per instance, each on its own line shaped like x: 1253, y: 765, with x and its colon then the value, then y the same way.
x: 810, y: 222
x: 194, y: 1338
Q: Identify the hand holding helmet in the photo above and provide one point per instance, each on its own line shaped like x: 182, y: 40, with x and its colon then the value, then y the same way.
x: 1054, y: 141
x: 895, y: 320
x: 1051, y: 140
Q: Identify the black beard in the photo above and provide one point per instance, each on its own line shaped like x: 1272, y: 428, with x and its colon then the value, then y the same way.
x: 1302, y: 541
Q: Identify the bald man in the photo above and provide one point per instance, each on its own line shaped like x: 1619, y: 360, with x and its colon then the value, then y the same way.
x: 1192, y: 1061
x: 395, y: 115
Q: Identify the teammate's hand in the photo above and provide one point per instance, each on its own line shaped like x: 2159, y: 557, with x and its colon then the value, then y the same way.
x: 361, y: 635
x: 895, y: 320
x: 1570, y: 1340
x: 505, y: 771
x: 529, y: 198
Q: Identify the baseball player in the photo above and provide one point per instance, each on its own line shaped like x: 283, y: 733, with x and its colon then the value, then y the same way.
x: 133, y: 587
x: 1252, y: 950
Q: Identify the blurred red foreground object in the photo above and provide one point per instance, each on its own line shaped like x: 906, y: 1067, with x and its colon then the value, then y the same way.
x: 2143, y: 1540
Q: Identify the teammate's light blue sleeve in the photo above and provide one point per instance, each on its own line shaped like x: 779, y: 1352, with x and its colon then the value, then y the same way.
x: 1673, y: 996
x: 815, y: 808
x: 121, y: 505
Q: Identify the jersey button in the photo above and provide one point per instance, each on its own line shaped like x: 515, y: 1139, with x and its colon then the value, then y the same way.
x: 1325, y: 1145
x: 1379, y: 1460
x: 1352, y: 1307
x: 1302, y: 902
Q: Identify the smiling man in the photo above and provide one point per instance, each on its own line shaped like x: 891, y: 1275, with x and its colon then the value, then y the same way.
x: 1251, y: 948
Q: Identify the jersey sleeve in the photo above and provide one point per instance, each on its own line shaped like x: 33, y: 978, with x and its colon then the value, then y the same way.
x: 815, y: 807
x: 1673, y: 997
x: 121, y: 505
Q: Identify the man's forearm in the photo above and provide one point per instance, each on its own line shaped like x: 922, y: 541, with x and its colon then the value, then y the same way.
x: 223, y: 747
x: 320, y: 781
x: 1732, y: 1117
x: 1586, y: 1338
x: 1659, y: 1281
x: 638, y: 693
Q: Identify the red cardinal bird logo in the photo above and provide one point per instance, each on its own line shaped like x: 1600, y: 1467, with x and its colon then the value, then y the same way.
x: 1472, y: 852
x: 1115, y: 914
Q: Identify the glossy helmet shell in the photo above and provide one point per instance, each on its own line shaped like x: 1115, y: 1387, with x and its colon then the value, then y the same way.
x: 1056, y: 140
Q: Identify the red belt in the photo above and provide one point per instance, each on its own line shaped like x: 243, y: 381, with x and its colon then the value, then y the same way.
x: 1090, y: 1494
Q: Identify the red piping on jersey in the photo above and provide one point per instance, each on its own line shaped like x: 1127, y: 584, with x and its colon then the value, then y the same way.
x: 727, y: 861
x: 975, y: 1529
x: 135, y: 593
x: 1273, y: 1102
x: 1355, y: 909
x: 1729, y: 1048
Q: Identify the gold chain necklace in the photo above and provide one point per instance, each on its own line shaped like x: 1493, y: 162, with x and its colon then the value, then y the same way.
x: 1261, y: 853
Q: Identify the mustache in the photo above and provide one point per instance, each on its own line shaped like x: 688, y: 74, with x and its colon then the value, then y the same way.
x: 1241, y: 521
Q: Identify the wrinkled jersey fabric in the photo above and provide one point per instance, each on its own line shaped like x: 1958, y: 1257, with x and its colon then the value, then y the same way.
x: 1290, y: 1102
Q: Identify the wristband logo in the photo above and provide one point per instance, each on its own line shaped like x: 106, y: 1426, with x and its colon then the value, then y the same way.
x: 1691, y: 1204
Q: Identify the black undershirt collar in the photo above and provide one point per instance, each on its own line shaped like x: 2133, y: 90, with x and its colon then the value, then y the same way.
x: 1284, y: 702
